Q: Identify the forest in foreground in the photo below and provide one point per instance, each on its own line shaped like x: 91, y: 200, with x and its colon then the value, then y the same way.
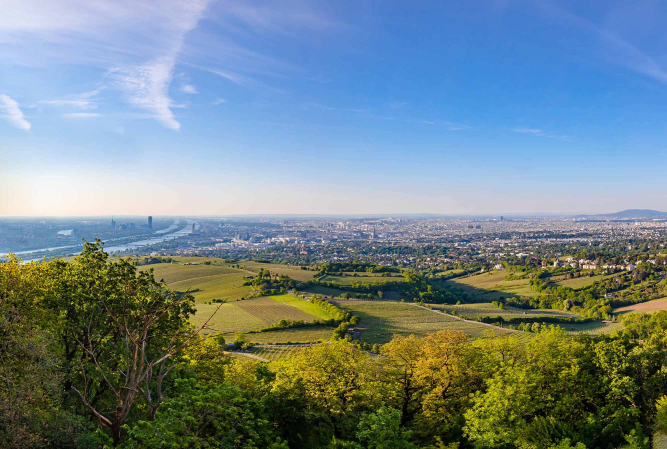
x: 95, y: 353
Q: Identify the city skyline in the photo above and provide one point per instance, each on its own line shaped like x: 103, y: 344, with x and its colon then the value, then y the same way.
x: 215, y: 108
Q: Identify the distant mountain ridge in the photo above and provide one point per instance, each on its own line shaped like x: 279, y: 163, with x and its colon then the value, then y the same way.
x: 630, y: 213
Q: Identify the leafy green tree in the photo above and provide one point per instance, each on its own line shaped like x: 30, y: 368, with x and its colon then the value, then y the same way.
x: 240, y: 340
x: 335, y: 382
x: 205, y: 415
x: 32, y: 413
x: 121, y: 331
x: 382, y: 430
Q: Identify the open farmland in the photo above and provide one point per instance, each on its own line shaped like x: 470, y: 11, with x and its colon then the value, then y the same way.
x: 647, y: 307
x: 660, y: 441
x: 346, y: 281
x: 380, y: 320
x: 477, y: 310
x: 296, y: 335
x: 292, y: 271
x: 270, y: 312
x: 450, y: 272
x: 229, y: 319
x: 227, y: 287
x: 490, y: 286
x: 171, y: 272
x: 205, y: 282
x: 593, y: 328
x: 273, y: 353
x: 580, y: 282
x: 325, y: 291
x: 303, y: 305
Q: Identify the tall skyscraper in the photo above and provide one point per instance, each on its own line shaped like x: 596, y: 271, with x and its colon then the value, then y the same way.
x: 150, y: 222
x: 113, y: 223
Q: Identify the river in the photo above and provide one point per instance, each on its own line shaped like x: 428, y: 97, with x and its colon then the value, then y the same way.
x: 187, y: 230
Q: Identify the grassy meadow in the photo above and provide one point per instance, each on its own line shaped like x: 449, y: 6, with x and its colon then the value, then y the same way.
x: 593, y: 328
x: 302, y: 305
x: 477, y: 310
x: 296, y: 335
x: 490, y: 286
x: 580, y: 282
x: 228, y: 320
x: 646, y: 307
x: 205, y: 282
x: 381, y: 320
x: 273, y: 353
x: 270, y: 312
x: 292, y: 271
x: 365, y: 278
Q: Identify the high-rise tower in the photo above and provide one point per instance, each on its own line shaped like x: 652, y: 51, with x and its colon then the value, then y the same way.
x: 150, y: 222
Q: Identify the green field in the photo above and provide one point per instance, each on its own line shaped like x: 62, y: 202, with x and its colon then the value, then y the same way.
x: 269, y: 312
x: 293, y: 272
x: 487, y: 309
x: 491, y: 286
x: 170, y: 272
x: 346, y: 281
x: 325, y: 291
x: 228, y: 320
x: 644, y: 307
x: 381, y: 320
x: 303, y: 305
x: 205, y: 282
x: 594, y: 328
x: 449, y: 272
x: 580, y: 282
x: 296, y: 335
x: 660, y: 441
x: 273, y: 353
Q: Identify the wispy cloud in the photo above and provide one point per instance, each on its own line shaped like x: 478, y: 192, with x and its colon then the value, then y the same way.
x: 81, y: 115
x: 533, y: 131
x: 621, y: 52
x: 147, y: 87
x: 540, y: 133
x: 82, y: 101
x: 189, y: 89
x: 456, y: 126
x: 13, y: 112
x: 219, y: 101
x: 139, y: 43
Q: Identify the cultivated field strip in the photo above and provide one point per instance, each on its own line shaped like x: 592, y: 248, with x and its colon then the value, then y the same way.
x: 171, y: 273
x: 488, y: 309
x: 277, y: 352
x: 229, y: 319
x: 296, y: 335
x: 594, y: 328
x: 646, y: 307
x: 269, y: 311
x: 381, y: 320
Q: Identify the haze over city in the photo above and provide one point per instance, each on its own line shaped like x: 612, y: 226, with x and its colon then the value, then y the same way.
x: 219, y: 108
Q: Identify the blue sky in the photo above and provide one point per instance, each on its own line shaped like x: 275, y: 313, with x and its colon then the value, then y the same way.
x: 216, y: 107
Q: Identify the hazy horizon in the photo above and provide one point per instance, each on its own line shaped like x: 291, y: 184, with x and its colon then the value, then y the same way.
x: 299, y: 107
x: 334, y: 215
